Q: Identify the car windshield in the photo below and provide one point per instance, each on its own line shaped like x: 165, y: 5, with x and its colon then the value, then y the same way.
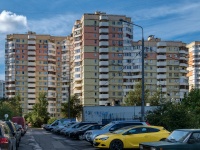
x: 177, y: 136
x: 107, y: 127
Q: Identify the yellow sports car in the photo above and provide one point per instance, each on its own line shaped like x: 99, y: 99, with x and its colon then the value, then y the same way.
x: 130, y: 137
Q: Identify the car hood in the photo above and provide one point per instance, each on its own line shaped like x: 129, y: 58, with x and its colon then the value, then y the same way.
x: 160, y: 143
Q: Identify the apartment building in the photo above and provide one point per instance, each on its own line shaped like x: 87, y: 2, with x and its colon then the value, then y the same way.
x: 100, y: 44
x: 165, y: 69
x: 33, y: 64
x: 194, y: 64
x: 2, y: 89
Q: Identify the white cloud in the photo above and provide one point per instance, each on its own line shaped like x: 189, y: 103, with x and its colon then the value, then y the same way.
x: 10, y: 22
x: 57, y: 25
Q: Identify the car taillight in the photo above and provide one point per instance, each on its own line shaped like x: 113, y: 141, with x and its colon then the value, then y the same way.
x: 147, y: 123
x: 3, y: 140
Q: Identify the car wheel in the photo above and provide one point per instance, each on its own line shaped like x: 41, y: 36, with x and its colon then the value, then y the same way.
x: 116, y: 145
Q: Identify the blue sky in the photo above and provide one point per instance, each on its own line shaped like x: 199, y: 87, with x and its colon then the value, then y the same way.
x: 166, y: 19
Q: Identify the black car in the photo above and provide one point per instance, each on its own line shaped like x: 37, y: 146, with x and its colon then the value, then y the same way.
x: 78, y: 134
x: 180, y: 139
x: 78, y: 125
x: 13, y: 131
x: 7, y: 140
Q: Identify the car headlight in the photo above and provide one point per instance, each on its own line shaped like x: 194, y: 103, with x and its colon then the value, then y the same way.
x: 104, y: 138
x: 153, y: 148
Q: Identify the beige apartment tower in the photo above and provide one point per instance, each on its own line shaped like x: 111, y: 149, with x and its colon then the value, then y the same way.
x: 33, y: 64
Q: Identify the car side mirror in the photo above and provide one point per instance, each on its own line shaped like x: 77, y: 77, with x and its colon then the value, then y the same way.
x: 191, y: 141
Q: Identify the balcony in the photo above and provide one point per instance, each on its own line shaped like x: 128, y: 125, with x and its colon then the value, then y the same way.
x: 161, y: 57
x: 31, y: 63
x: 103, y: 17
x: 161, y: 76
x: 31, y: 74
x: 161, y: 83
x: 31, y: 95
x: 103, y: 70
x: 103, y: 103
x: 103, y: 30
x: 164, y: 44
x: 77, y: 79
x: 30, y: 106
x: 31, y: 58
x: 32, y: 101
x: 161, y: 50
x: 183, y: 58
x: 183, y: 52
x: 31, y: 79
x: 103, y: 89
x: 103, y: 96
x: 164, y: 63
x: 31, y: 47
x: 31, y: 69
x: 161, y: 70
x: 103, y: 43
x: 31, y: 85
x: 103, y: 56
x: 183, y: 65
x: 103, y: 37
x: 103, y: 50
x: 31, y: 90
x: 77, y: 85
x: 31, y: 53
x: 31, y: 42
x: 103, y: 63
x: 183, y: 71
x: 103, y: 24
x: 77, y: 91
x: 103, y: 82
x: 31, y: 37
x: 103, y: 76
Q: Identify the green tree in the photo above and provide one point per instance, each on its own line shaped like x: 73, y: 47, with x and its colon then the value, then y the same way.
x: 51, y: 120
x: 171, y: 116
x: 192, y: 104
x: 75, y: 107
x: 135, y: 97
x: 6, y: 108
x: 39, y: 115
x: 155, y: 99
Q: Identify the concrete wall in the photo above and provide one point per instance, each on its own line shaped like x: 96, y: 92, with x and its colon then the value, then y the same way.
x: 99, y: 113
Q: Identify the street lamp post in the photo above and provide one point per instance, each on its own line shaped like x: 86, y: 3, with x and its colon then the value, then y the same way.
x: 143, y: 101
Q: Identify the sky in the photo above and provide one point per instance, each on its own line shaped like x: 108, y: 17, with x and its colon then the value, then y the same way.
x: 170, y: 20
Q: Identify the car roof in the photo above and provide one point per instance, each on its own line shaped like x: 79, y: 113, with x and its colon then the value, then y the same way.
x: 190, y: 130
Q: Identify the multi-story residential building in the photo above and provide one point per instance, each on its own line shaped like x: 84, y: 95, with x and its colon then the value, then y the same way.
x: 34, y: 65
x: 101, y: 43
x: 166, y: 65
x: 194, y: 64
x: 2, y: 89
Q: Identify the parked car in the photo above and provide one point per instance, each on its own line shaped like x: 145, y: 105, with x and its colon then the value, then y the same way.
x: 66, y: 128
x: 114, y: 125
x: 18, y: 133
x: 78, y: 134
x: 180, y: 139
x: 21, y: 121
x: 7, y: 139
x: 130, y: 137
x: 78, y: 125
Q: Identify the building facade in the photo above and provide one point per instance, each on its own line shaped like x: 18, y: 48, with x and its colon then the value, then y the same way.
x: 165, y: 68
x: 2, y: 89
x: 34, y: 65
x: 100, y: 43
x: 194, y: 64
